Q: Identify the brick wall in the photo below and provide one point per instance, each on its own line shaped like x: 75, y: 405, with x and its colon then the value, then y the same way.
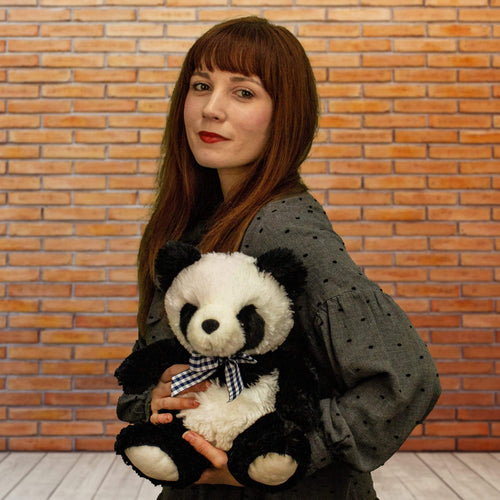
x: 406, y: 163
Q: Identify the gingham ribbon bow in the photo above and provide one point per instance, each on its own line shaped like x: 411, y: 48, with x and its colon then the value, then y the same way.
x: 201, y: 367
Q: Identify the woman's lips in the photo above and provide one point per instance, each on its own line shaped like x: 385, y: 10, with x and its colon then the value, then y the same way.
x: 210, y: 137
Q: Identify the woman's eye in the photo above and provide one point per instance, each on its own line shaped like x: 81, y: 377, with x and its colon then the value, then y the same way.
x: 200, y: 87
x: 246, y: 94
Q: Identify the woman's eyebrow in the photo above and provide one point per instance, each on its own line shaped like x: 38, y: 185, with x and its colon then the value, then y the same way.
x: 202, y: 74
x: 236, y: 79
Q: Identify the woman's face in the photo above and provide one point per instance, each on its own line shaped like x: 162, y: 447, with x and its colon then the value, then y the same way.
x: 227, y: 118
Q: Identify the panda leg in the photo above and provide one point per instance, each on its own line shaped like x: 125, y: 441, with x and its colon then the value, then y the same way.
x: 271, y: 454
x: 158, y: 453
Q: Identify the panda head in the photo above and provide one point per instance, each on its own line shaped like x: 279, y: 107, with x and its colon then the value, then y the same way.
x: 220, y: 304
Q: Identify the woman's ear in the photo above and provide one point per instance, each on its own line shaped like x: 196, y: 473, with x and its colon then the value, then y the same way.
x: 171, y: 259
x: 286, y: 269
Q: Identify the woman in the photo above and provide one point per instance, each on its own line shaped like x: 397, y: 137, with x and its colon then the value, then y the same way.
x: 242, y: 119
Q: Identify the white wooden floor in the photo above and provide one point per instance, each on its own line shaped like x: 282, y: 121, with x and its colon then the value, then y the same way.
x: 103, y: 476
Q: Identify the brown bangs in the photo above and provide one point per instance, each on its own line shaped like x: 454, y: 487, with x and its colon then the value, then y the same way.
x: 240, y: 48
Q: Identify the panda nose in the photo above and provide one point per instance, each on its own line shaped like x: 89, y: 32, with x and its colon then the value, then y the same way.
x: 210, y: 325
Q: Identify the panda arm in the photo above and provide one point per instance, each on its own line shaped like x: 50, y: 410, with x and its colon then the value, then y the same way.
x: 144, y: 367
x: 298, y: 396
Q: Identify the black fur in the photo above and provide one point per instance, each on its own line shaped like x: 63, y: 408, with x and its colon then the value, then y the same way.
x: 185, y: 317
x: 253, y: 326
x: 144, y: 368
x: 269, y: 434
x: 162, y: 435
x: 172, y: 258
x: 286, y: 269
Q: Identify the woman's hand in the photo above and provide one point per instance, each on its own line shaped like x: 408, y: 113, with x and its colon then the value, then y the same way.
x: 161, y: 398
x: 219, y: 473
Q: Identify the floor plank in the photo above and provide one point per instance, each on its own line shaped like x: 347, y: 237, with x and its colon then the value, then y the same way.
x: 14, y: 467
x: 464, y: 481
x: 423, y: 483
x: 148, y: 491
x: 121, y: 482
x: 388, y: 486
x: 44, y: 478
x: 87, y: 475
x: 485, y: 465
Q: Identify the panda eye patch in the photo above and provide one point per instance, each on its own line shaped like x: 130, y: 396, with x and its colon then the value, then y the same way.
x: 185, y: 316
x: 253, y: 325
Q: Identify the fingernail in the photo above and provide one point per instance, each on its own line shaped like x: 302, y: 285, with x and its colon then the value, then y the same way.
x: 195, y: 403
x: 188, y: 436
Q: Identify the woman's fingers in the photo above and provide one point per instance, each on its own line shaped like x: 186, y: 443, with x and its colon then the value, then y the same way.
x: 175, y: 403
x: 219, y: 472
x: 161, y: 418
x: 215, y: 456
x: 171, y: 371
x: 161, y: 398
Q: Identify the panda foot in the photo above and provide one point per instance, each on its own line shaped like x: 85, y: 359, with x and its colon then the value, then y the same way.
x: 153, y: 463
x: 272, y: 469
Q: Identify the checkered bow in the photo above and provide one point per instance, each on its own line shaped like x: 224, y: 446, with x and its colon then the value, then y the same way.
x: 201, y: 367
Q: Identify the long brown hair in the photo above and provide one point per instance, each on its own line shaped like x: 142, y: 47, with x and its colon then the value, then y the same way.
x: 186, y: 192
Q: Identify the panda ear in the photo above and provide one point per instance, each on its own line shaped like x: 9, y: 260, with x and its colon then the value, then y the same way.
x: 286, y: 269
x: 171, y: 259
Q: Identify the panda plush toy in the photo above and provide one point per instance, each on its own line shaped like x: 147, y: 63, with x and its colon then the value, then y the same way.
x: 234, y: 323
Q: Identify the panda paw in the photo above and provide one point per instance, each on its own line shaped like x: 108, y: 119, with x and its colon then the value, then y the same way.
x: 272, y: 469
x: 153, y: 463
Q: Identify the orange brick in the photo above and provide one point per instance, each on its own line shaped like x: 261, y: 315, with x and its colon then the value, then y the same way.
x: 40, y: 414
x: 75, y: 399
x: 19, y: 368
x: 105, y: 105
x: 134, y: 61
x: 72, y: 30
x: 66, y: 91
x: 37, y: 383
x: 465, y: 367
x: 17, y: 428
x: 18, y: 29
x: 71, y: 428
x: 424, y: 75
x: 71, y: 61
x: 458, y: 30
x: 478, y: 444
x: 457, y: 429
x: 424, y: 14
x: 108, y: 321
x: 104, y: 45
x: 96, y: 444
x: 39, y: 75
x: 73, y: 368
x: 359, y: 14
x: 96, y: 383
x: 40, y: 444
x: 40, y: 136
x: 106, y: 229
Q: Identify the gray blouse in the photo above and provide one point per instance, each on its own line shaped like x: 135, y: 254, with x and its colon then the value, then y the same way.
x: 377, y: 378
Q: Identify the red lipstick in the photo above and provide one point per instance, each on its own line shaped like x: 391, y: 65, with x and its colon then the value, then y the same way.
x: 210, y: 137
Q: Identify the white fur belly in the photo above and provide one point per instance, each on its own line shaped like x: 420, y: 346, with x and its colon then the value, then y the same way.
x: 219, y: 421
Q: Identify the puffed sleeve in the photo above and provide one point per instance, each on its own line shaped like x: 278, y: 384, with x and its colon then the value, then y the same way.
x: 377, y: 378
x: 385, y: 380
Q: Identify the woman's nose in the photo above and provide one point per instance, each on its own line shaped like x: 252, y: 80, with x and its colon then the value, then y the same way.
x: 214, y: 108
